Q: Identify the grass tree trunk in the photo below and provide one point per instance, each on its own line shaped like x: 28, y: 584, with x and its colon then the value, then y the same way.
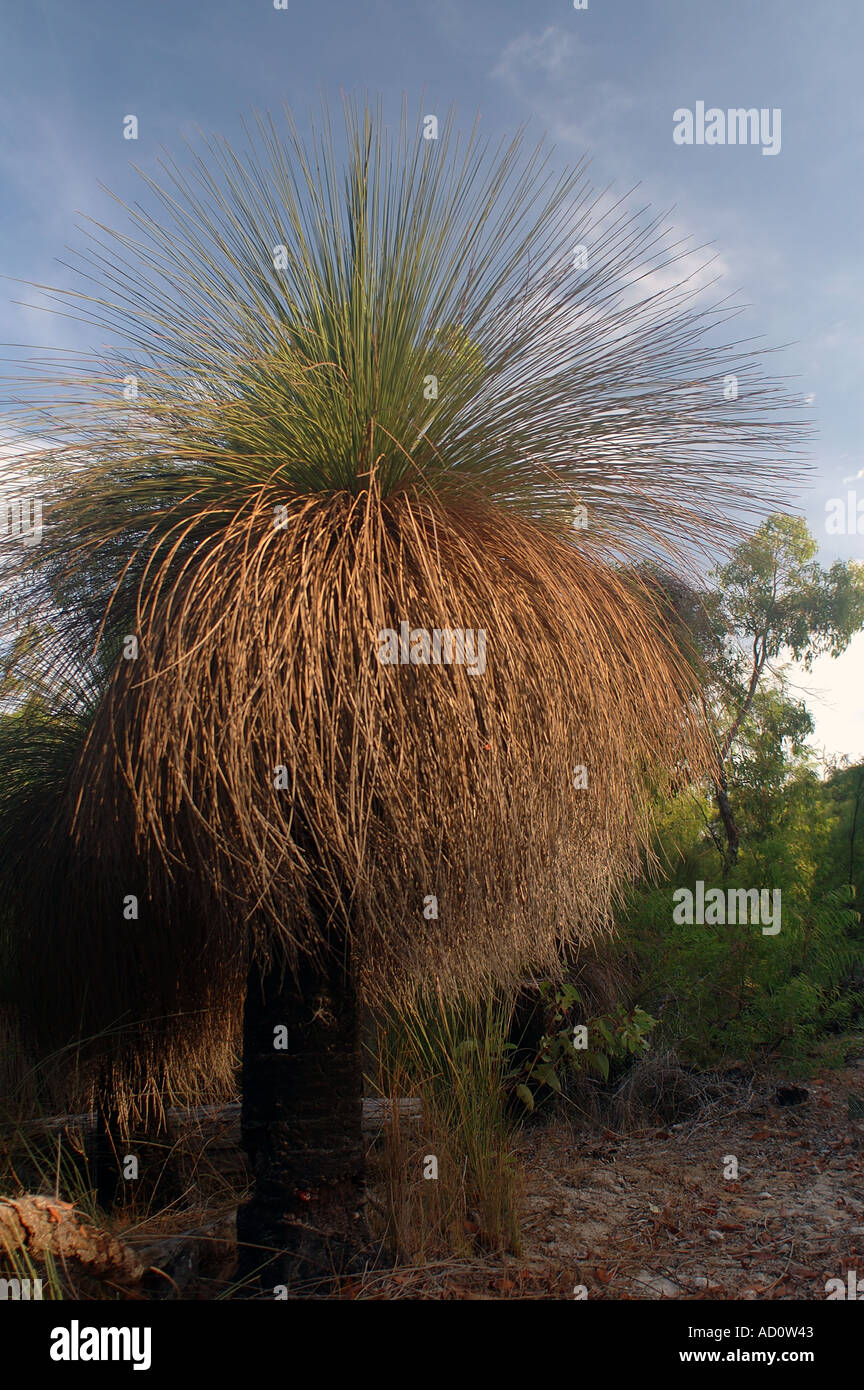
x: 301, y: 1125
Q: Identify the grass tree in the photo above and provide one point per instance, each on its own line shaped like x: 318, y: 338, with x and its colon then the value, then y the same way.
x: 361, y: 388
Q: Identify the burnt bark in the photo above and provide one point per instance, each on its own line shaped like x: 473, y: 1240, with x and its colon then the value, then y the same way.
x: 301, y: 1125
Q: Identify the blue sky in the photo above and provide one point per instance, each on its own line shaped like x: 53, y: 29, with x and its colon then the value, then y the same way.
x: 605, y: 80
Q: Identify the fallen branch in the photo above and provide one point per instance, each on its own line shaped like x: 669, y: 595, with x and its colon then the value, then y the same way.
x: 41, y: 1227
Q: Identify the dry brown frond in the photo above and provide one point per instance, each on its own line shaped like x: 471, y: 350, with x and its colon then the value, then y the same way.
x: 399, y: 781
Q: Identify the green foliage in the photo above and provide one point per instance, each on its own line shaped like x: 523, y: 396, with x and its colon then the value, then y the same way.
x: 844, y: 793
x: 611, y: 1037
x: 730, y: 992
x: 774, y: 591
x: 727, y: 992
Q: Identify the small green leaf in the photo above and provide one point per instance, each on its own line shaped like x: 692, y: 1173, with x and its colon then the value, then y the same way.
x: 600, y: 1062
x: 525, y: 1096
x: 548, y: 1074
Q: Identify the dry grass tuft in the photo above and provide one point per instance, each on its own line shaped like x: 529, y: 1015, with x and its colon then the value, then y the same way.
x: 443, y: 1178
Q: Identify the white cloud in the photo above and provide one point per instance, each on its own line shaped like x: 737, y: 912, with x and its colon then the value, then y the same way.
x: 552, y: 53
x: 551, y: 72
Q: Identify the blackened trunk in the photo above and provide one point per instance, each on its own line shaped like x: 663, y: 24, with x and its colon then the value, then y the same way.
x: 301, y: 1125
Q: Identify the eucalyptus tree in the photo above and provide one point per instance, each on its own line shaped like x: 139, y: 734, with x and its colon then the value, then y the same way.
x: 386, y: 389
x: 769, y: 603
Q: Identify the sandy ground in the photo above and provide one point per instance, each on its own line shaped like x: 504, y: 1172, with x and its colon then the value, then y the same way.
x: 652, y: 1216
x: 655, y: 1217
